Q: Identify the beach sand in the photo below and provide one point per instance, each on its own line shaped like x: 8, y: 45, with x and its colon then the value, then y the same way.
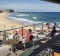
x: 6, y: 24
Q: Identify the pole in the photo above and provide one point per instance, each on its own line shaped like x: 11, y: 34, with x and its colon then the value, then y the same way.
x: 22, y: 31
x: 4, y: 33
x: 22, y: 28
x: 34, y: 27
x: 42, y: 26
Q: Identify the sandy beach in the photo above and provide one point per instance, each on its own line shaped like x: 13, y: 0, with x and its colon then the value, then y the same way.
x: 6, y: 24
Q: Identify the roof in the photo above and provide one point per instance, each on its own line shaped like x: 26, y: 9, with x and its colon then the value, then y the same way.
x: 54, y: 1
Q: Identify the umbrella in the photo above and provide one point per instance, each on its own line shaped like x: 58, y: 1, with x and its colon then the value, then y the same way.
x: 23, y: 32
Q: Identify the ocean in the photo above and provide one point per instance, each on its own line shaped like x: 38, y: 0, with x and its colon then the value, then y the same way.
x: 35, y: 17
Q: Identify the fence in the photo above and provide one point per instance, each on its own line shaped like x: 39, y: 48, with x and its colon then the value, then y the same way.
x: 34, y: 27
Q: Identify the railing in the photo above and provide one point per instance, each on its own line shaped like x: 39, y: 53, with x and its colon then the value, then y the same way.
x: 9, y: 31
x: 34, y: 28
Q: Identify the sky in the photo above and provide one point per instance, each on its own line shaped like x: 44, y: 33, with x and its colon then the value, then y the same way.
x: 29, y: 6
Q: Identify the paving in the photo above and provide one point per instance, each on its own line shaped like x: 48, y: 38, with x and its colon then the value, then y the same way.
x: 42, y: 46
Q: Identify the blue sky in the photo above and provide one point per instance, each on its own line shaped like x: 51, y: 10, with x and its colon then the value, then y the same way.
x: 29, y: 5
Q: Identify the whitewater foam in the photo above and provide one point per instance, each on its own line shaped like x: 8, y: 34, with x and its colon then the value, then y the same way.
x: 34, y: 17
x: 22, y: 15
x: 23, y: 19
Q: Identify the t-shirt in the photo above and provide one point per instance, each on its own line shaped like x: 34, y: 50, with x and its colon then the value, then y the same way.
x: 28, y: 37
x: 15, y: 36
x: 53, y: 32
x: 47, y: 27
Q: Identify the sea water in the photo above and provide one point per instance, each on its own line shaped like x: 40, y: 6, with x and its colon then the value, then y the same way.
x: 35, y: 17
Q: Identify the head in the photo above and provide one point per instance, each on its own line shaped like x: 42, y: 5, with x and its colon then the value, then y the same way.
x: 54, y: 23
x: 54, y: 28
x: 14, y: 32
x: 20, y: 42
x: 29, y: 30
x: 47, y: 23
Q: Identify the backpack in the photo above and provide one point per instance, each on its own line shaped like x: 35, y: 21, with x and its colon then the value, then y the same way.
x: 31, y: 37
x: 17, y: 46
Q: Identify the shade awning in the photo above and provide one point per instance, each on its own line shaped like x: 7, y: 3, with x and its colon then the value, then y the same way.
x: 54, y: 1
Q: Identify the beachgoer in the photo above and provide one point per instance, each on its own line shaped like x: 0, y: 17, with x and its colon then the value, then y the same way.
x: 55, y: 25
x: 18, y: 46
x: 29, y: 36
x: 53, y: 31
x: 15, y: 34
x: 47, y: 28
x: 28, y: 41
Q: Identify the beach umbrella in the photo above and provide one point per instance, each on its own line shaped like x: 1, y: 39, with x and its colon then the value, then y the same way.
x: 54, y: 1
x: 24, y: 32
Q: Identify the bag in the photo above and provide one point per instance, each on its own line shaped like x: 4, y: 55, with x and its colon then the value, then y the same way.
x: 31, y: 37
x: 19, y: 46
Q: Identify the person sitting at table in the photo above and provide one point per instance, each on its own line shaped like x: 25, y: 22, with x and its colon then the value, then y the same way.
x: 47, y: 27
x: 29, y: 36
x: 15, y: 34
x: 18, y: 46
x: 52, y: 33
x: 55, y: 25
x: 28, y: 41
